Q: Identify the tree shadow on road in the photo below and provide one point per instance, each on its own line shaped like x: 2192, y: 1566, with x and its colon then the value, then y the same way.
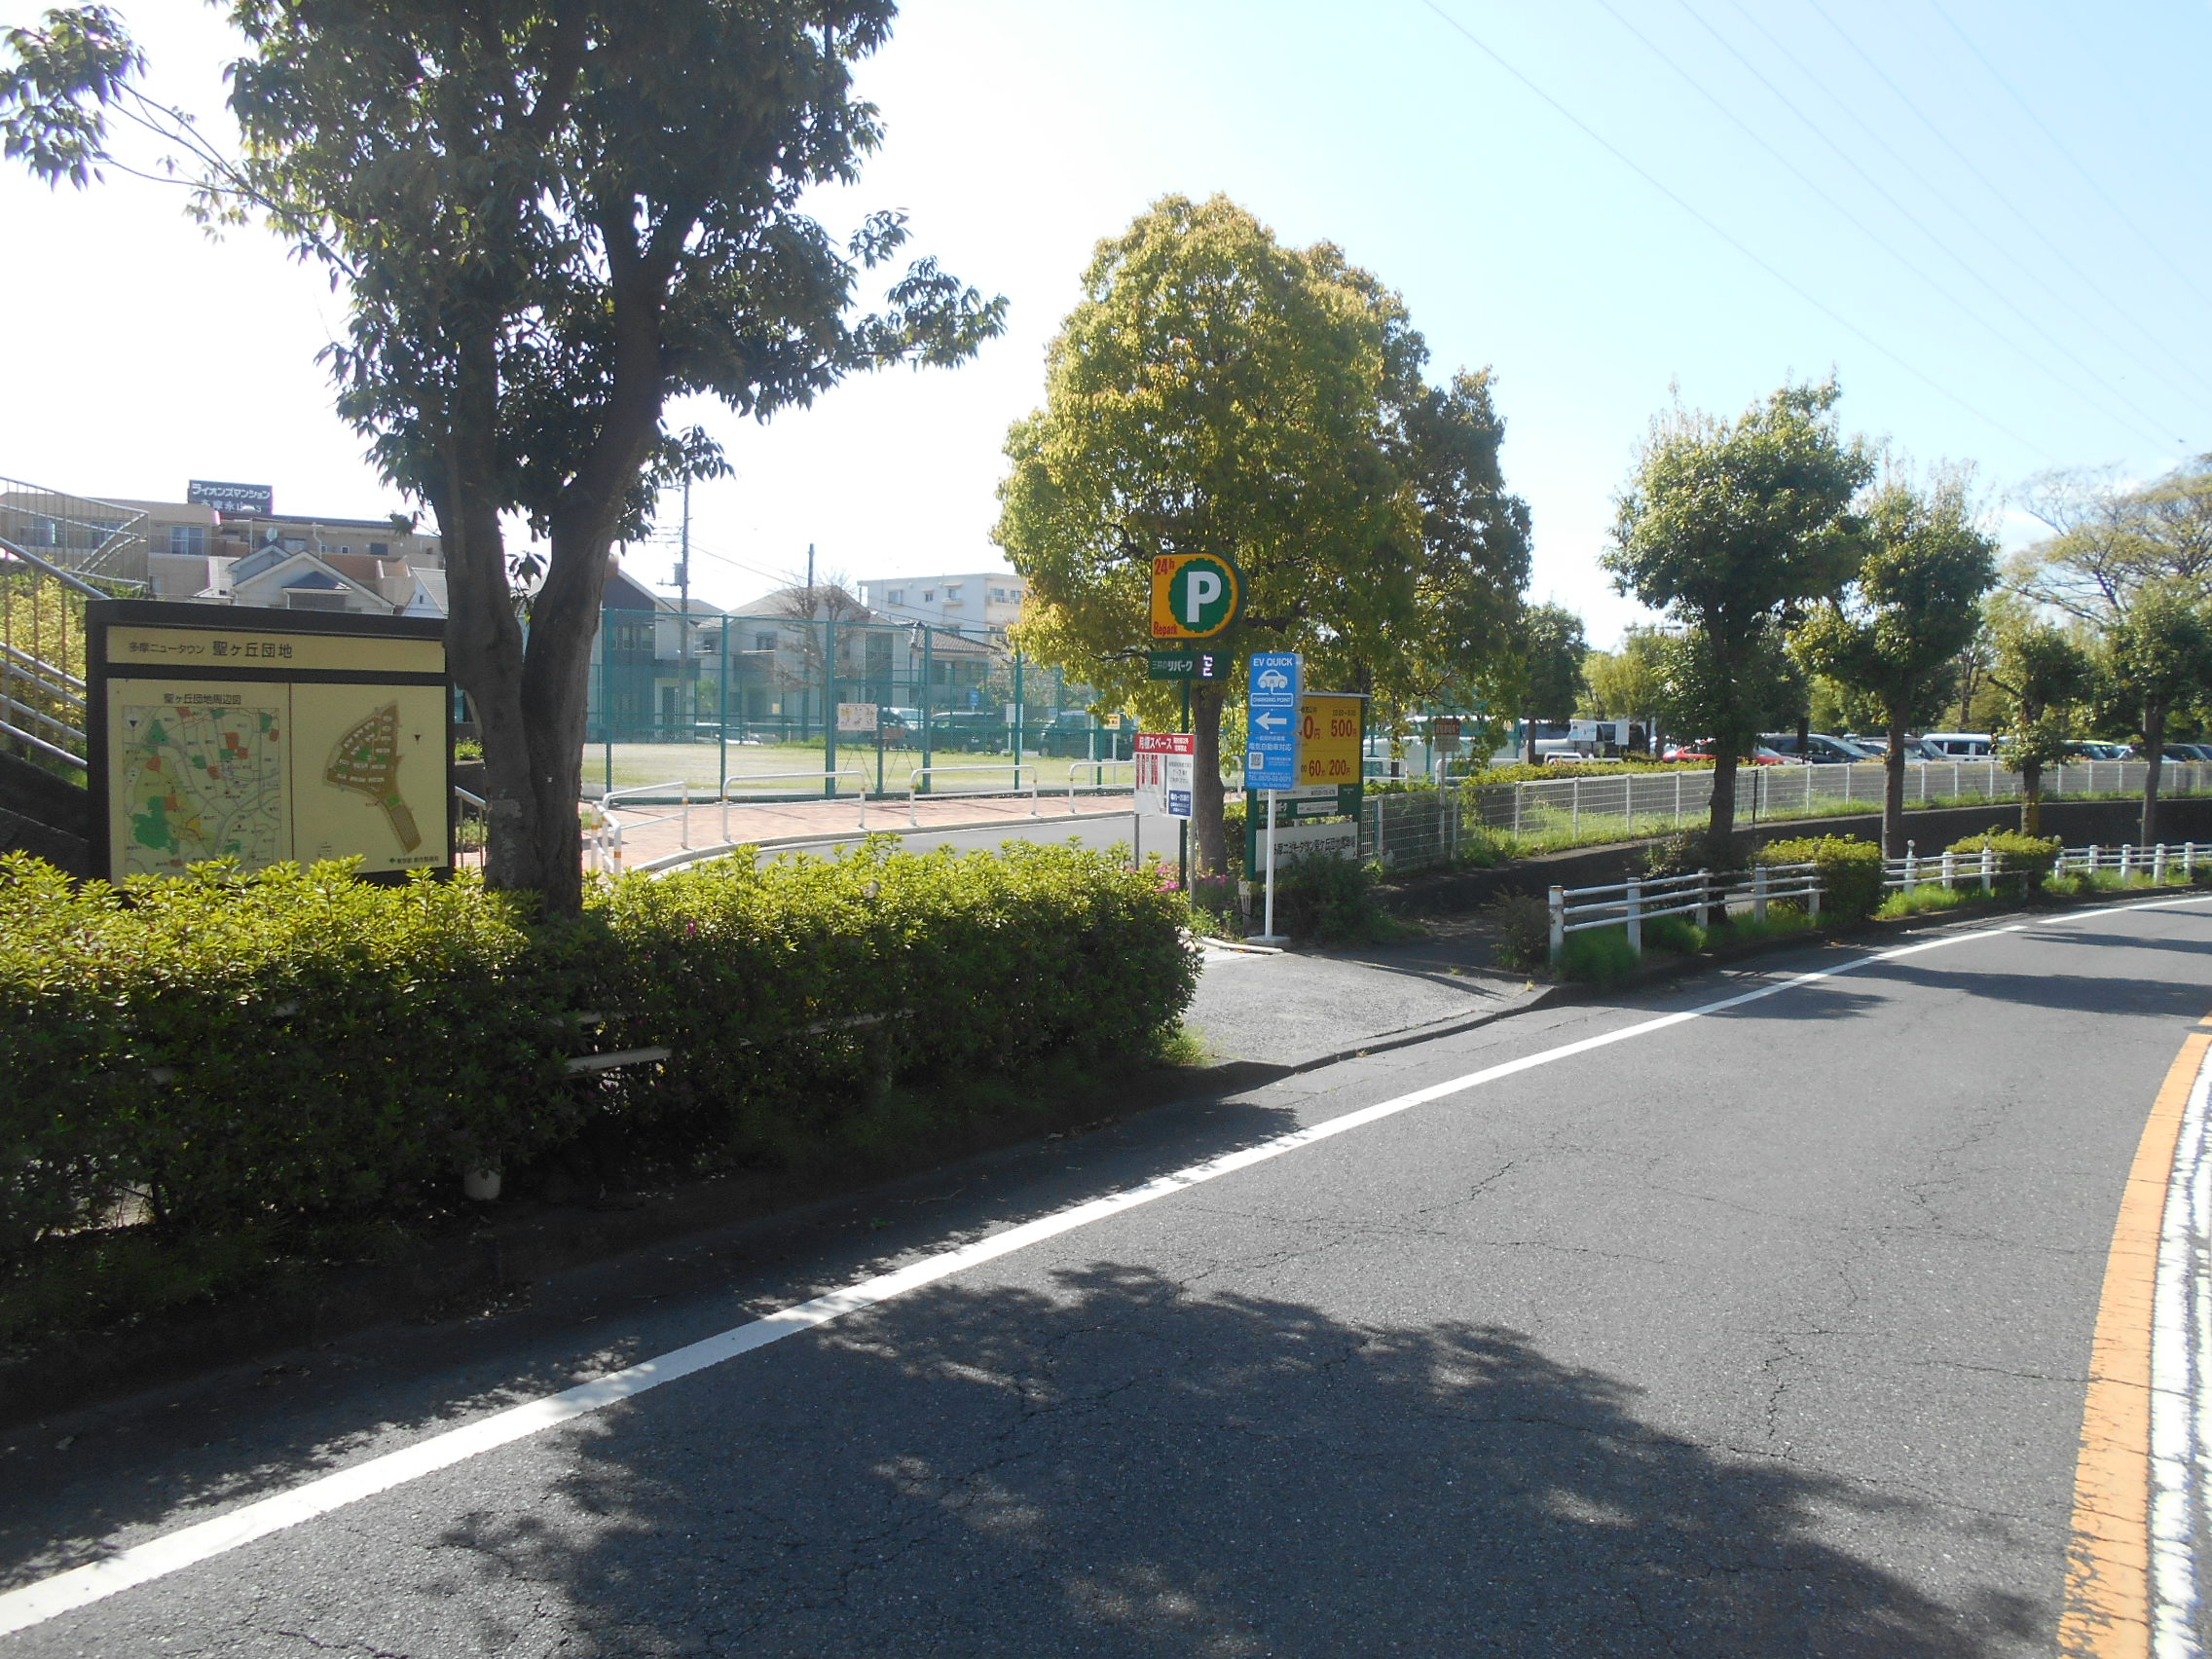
x: 1120, y: 1465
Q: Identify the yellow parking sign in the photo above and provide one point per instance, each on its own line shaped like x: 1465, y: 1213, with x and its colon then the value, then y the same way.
x: 1328, y: 728
x: 1195, y: 596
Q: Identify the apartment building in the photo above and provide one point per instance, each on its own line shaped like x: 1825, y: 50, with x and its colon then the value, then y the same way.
x: 978, y: 599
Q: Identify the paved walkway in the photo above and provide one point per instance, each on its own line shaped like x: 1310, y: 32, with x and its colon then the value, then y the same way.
x: 652, y: 834
x: 1299, y: 1008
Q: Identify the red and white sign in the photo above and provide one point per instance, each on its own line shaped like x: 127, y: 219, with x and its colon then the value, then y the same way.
x: 1166, y: 766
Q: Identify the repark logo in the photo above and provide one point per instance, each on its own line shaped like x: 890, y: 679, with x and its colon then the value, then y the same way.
x: 1195, y: 596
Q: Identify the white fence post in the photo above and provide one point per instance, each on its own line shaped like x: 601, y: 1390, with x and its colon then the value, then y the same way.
x: 1559, y: 921
x: 1574, y: 805
x: 2189, y: 861
x: 1813, y: 893
x: 1988, y: 868
x: 1950, y: 868
x: 2127, y: 862
x: 1636, y: 915
x: 1517, y: 788
x: 2158, y: 865
x: 1759, y: 893
x: 1678, y: 800
x: 1704, y: 898
x: 1912, y: 867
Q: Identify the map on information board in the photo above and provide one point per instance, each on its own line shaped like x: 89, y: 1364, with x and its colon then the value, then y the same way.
x: 366, y: 760
x: 203, y: 776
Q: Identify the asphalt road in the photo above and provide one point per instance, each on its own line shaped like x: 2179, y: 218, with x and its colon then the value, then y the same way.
x: 1760, y: 1333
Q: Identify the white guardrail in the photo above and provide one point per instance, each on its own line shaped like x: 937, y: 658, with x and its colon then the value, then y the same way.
x: 1016, y: 767
x: 829, y: 779
x: 1632, y: 904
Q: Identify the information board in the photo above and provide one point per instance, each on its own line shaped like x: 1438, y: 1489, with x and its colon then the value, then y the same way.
x: 856, y: 717
x: 1165, y: 767
x: 221, y: 731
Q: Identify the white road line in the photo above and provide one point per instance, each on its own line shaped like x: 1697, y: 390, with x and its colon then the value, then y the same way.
x: 79, y: 1587
x: 2179, y: 1336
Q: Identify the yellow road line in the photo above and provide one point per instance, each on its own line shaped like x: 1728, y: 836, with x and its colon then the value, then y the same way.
x: 2108, y: 1564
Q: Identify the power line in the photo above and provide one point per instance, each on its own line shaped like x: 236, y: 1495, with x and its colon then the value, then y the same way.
x: 2020, y: 266
x: 1914, y: 220
x: 1611, y: 149
x: 2148, y: 426
x: 1967, y: 161
x: 2057, y: 143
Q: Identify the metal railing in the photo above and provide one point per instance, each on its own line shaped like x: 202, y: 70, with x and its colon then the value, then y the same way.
x: 829, y: 778
x: 1097, y: 771
x: 605, y: 838
x: 1631, y: 904
x: 914, y: 788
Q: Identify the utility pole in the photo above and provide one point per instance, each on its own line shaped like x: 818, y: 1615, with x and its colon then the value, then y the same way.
x: 689, y: 693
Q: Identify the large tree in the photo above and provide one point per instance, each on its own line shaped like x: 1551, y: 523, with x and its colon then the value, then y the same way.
x: 2157, y: 656
x: 1551, y: 653
x: 2042, y: 673
x: 1725, y: 526
x: 2111, y: 539
x: 1218, y: 392
x: 1911, y: 607
x: 549, y: 218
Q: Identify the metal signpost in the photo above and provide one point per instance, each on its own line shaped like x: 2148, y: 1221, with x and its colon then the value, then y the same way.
x: 1271, y: 747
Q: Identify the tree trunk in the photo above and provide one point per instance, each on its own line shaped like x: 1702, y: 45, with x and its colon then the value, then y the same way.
x: 2031, y: 798
x: 1892, y: 791
x: 1205, y: 779
x: 484, y: 636
x: 1529, y: 739
x: 1720, y: 819
x: 2153, y: 743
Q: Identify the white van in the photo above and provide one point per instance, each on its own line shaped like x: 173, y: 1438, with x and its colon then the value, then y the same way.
x: 1960, y: 745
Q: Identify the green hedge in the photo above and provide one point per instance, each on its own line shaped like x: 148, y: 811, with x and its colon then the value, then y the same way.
x: 220, y: 1048
x: 1849, y: 871
x: 2017, y: 855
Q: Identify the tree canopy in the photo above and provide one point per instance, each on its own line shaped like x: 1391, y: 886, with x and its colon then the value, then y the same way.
x: 1215, y: 391
x: 1724, y: 527
x: 549, y: 217
x: 1910, y: 607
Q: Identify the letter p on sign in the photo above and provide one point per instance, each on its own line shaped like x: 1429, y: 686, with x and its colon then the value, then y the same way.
x: 1195, y: 596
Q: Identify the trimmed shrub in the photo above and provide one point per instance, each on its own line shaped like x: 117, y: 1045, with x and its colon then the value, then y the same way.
x: 226, y: 1050
x: 1849, y: 871
x: 2027, y: 858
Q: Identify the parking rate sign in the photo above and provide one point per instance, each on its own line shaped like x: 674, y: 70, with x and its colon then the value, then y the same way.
x: 1271, y: 742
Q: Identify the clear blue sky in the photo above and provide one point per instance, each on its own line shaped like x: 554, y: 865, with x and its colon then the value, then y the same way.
x: 1990, y: 220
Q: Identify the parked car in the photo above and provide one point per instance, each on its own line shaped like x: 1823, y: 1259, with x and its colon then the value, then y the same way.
x: 2097, y: 749
x: 1702, y: 749
x: 2188, y: 752
x: 1959, y: 745
x: 1821, y: 748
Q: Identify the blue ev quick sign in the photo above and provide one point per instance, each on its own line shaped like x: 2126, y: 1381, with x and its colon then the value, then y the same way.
x: 1270, y: 742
